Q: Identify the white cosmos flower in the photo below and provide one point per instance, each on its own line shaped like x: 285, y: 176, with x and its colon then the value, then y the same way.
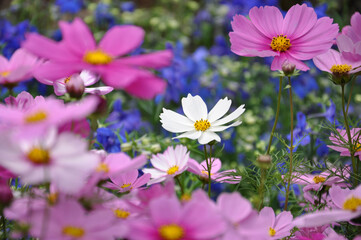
x: 197, y: 122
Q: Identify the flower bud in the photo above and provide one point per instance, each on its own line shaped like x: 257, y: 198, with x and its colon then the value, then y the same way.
x: 264, y: 161
x: 75, y: 86
x: 288, y: 68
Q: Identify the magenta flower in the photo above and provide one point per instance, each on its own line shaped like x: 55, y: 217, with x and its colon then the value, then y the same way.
x: 23, y: 100
x: 280, y: 226
x: 63, y: 160
x: 317, y: 233
x: 169, y: 220
x: 202, y: 171
x: 78, y: 51
x: 341, y: 144
x: 168, y: 164
x: 297, y: 37
x: 68, y: 220
x: 127, y: 181
x: 19, y: 68
x: 347, y: 205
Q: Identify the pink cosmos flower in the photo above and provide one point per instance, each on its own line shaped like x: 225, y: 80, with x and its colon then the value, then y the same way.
x: 316, y: 181
x: 242, y: 221
x: 23, y: 100
x: 341, y: 142
x: 353, y: 31
x: 62, y: 159
x: 169, y: 220
x: 78, y: 51
x: 127, y: 181
x: 121, y: 209
x: 317, y: 233
x: 280, y: 226
x: 297, y: 37
x: 68, y: 220
x: 168, y: 164
x: 202, y: 171
x: 347, y: 205
x: 19, y: 68
x: 86, y: 77
x: 44, y: 113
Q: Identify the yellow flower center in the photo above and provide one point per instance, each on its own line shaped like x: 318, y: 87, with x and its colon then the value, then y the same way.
x: 102, y: 167
x: 38, y: 156
x: 341, y: 69
x: 319, y: 179
x: 36, y: 117
x: 206, y: 172
x: 67, y: 79
x: 171, y: 232
x: 173, y: 170
x: 202, y: 125
x: 271, y: 232
x: 52, y: 198
x: 352, y: 203
x: 126, y: 185
x: 74, y: 232
x: 280, y: 43
x: 5, y: 73
x: 357, y: 147
x: 120, y: 213
x: 97, y: 57
x: 186, y: 197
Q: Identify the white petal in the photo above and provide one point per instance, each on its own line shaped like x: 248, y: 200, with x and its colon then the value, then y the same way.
x: 174, y: 122
x: 154, y: 172
x: 207, y: 137
x: 221, y: 107
x: 194, y: 108
x: 190, y: 134
x: 99, y: 90
x: 88, y: 77
x: 230, y: 117
x: 222, y: 128
x: 59, y: 87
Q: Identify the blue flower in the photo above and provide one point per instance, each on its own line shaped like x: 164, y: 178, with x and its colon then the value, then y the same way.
x: 282, y: 193
x: 108, y: 139
x: 304, y: 84
x: 322, y: 149
x: 102, y: 15
x: 70, y: 6
x: 320, y: 10
x: 300, y: 132
x: 127, y: 6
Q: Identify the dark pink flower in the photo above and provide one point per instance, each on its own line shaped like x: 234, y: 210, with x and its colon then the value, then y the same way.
x: 78, y: 51
x: 297, y: 37
x: 127, y: 181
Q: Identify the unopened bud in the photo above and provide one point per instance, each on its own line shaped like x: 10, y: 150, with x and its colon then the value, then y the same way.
x: 155, y: 148
x: 288, y: 68
x: 127, y: 146
x: 75, y: 86
x: 264, y: 161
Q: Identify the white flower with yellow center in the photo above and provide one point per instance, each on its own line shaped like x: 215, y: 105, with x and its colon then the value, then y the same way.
x: 197, y: 122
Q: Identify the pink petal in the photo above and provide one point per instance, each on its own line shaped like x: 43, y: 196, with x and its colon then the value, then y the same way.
x: 99, y: 90
x: 77, y: 37
x: 268, y: 215
x: 146, y: 87
x: 51, y: 71
x: 326, y: 60
x: 283, y: 220
x: 234, y: 207
x: 298, y: 21
x: 142, y: 180
x: 268, y: 20
x: 356, y: 27
x: 151, y: 60
x: 3, y: 64
x: 120, y: 40
x: 338, y: 195
x: 216, y: 165
x: 88, y: 77
x: 279, y: 60
x: 165, y: 210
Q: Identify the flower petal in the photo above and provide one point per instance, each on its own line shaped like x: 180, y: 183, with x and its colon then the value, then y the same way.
x: 207, y: 137
x: 326, y: 60
x: 151, y: 60
x: 222, y: 128
x: 190, y: 134
x: 174, y: 122
x: 230, y: 117
x: 268, y: 20
x: 218, y: 111
x: 194, y: 107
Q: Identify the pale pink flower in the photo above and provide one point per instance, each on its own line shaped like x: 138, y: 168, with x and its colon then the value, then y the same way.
x: 341, y: 143
x: 63, y: 159
x: 127, y: 181
x: 353, y: 31
x: 202, y: 171
x: 78, y: 51
x: 68, y: 220
x: 168, y: 219
x: 312, y: 233
x: 168, y: 164
x: 23, y: 100
x: 280, y: 226
x: 297, y: 37
x: 20, y: 67
x: 347, y: 205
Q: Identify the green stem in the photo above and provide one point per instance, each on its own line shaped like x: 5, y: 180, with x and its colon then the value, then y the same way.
x: 349, y: 96
x: 291, y: 146
x: 208, y: 162
x: 261, y: 187
x: 3, y: 220
x: 351, y: 148
x: 180, y: 184
x: 276, y: 117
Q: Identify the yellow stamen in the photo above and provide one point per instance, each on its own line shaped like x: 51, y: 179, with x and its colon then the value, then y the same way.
x: 97, y: 57
x: 52, y: 198
x: 171, y: 232
x: 39, y: 156
x: 186, y: 197
x: 173, y: 170
x: 272, y: 232
x: 341, y: 68
x: 202, y: 125
x: 120, y: 213
x: 357, y: 147
x: 319, y: 179
x: 36, y: 117
x: 74, y: 232
x: 102, y: 167
x: 206, y: 172
x: 126, y: 185
x: 352, y: 203
x: 280, y: 43
x: 5, y: 73
x: 67, y: 79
